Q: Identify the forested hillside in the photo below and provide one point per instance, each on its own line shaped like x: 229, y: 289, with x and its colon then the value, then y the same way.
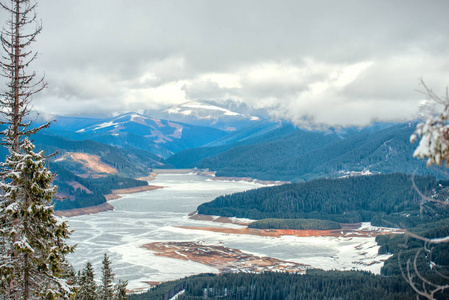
x: 404, y: 248
x: 315, y: 284
x: 81, y: 184
x: 384, y: 200
x: 258, y: 133
x: 304, y: 155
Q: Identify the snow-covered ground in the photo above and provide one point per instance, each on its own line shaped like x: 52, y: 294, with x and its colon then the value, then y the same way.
x: 153, y: 216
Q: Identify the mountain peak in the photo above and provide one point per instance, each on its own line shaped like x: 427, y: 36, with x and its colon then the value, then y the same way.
x: 207, y: 114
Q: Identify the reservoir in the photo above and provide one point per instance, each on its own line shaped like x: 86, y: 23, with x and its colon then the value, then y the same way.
x: 153, y: 216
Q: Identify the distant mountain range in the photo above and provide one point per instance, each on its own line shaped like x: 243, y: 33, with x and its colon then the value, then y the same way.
x: 232, y: 143
x: 132, y: 130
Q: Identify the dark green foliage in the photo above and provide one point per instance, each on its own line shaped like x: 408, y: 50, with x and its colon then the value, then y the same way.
x: 106, y: 288
x: 301, y: 224
x: 404, y: 247
x: 86, y: 282
x: 94, y: 191
x: 345, y: 200
x: 260, y: 160
x: 316, y: 284
x: 88, y: 289
x: 251, y: 135
x: 304, y: 155
x: 129, y: 162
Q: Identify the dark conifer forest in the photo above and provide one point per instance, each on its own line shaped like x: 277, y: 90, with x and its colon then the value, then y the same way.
x: 385, y: 200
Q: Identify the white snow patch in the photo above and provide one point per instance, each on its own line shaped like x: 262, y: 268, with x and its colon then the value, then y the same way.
x: 186, y: 112
x: 105, y: 125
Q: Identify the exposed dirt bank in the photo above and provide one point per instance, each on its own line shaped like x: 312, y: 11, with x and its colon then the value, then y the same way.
x: 113, y: 196
x: 85, y: 210
x: 195, y: 216
x: 348, y: 230
x: 116, y: 193
x: 223, y: 258
x: 150, y: 177
x: 173, y: 171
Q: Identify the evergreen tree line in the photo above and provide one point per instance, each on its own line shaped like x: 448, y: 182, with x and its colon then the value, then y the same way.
x: 384, y: 200
x: 88, y: 289
x: 404, y: 247
x: 299, y: 224
x: 315, y: 284
x: 33, y: 242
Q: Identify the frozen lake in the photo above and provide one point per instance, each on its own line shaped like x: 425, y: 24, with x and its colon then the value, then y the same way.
x: 153, y: 216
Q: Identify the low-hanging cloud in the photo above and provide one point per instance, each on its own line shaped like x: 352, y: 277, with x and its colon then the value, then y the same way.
x: 334, y: 63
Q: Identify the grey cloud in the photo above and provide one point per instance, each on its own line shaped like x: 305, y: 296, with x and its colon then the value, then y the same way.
x: 117, y: 50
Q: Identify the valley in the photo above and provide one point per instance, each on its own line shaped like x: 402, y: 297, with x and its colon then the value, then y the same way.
x: 173, y: 193
x: 161, y: 218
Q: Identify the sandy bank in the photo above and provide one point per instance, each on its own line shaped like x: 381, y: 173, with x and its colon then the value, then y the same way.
x: 223, y: 258
x: 85, y: 210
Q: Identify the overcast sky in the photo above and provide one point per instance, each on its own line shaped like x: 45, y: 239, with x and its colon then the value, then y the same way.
x: 329, y: 61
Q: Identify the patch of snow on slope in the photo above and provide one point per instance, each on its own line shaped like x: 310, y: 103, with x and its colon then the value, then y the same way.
x: 186, y: 112
x: 210, y: 107
x: 135, y: 117
x: 173, y: 110
x: 105, y: 125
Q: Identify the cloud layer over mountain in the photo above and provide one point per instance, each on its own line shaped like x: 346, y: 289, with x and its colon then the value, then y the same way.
x: 325, y: 61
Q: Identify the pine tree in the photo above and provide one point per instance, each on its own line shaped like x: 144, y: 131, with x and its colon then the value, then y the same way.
x: 33, y: 241
x: 106, y: 289
x: 87, y: 286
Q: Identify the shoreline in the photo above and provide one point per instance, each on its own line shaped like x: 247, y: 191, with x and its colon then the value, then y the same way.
x: 116, y: 194
x: 231, y: 220
x: 211, y: 175
x: 249, y: 179
x: 349, y: 231
x: 85, y: 210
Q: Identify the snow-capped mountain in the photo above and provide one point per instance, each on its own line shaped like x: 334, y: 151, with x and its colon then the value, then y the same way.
x: 154, y: 135
x: 207, y: 114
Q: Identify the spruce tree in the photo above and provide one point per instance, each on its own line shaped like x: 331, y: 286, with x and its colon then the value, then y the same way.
x: 35, y: 266
x: 87, y: 286
x: 120, y: 290
x: 106, y: 289
x: 33, y: 241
